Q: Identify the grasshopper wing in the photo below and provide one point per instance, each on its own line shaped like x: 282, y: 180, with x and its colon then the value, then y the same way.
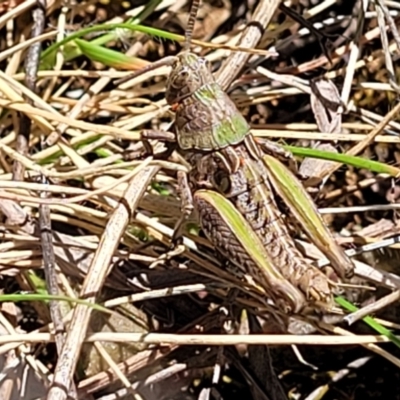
x: 232, y: 235
x: 302, y: 206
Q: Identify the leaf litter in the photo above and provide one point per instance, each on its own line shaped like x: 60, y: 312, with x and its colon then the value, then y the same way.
x: 70, y: 155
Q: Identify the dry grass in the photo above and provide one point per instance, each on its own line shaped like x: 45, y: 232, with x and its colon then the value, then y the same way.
x: 85, y: 214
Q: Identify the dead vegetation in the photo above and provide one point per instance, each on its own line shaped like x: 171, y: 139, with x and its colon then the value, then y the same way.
x: 87, y: 214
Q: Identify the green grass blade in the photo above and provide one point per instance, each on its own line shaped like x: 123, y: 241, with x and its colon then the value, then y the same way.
x: 46, y: 54
x: 358, y: 162
x: 369, y: 321
x: 108, y: 57
x: 134, y: 20
x: 15, y: 298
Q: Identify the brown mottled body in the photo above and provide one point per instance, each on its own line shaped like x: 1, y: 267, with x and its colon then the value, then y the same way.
x: 217, y: 142
x: 241, y: 176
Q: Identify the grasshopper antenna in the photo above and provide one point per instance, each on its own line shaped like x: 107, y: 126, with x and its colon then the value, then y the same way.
x: 192, y: 20
x: 171, y: 59
x: 151, y: 67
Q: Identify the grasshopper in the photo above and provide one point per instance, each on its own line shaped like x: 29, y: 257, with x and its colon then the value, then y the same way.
x: 232, y: 186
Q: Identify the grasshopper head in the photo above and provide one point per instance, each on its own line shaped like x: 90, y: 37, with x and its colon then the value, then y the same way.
x: 189, y: 73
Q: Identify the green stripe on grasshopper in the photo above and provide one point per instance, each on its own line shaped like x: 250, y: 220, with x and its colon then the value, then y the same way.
x: 302, y: 206
x: 250, y: 242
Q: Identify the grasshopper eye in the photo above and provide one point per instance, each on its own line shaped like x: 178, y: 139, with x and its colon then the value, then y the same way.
x: 181, y: 78
x: 222, y: 182
x: 184, y: 74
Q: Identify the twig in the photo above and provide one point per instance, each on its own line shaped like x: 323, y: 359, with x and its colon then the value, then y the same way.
x: 385, y: 46
x: 250, y: 37
x: 154, y: 294
x: 390, y: 21
x: 354, y: 53
x: 371, y: 308
x: 205, y: 339
x: 95, y: 278
x: 49, y: 262
x: 31, y: 68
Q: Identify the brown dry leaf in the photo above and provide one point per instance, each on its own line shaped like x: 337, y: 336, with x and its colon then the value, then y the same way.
x: 325, y: 103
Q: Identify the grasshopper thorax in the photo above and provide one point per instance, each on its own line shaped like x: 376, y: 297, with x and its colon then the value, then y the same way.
x: 189, y: 73
x: 206, y: 119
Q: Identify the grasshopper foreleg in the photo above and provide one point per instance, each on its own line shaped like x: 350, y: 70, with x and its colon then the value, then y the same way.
x: 186, y: 203
x: 163, y: 136
x: 186, y: 208
x: 145, y: 136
